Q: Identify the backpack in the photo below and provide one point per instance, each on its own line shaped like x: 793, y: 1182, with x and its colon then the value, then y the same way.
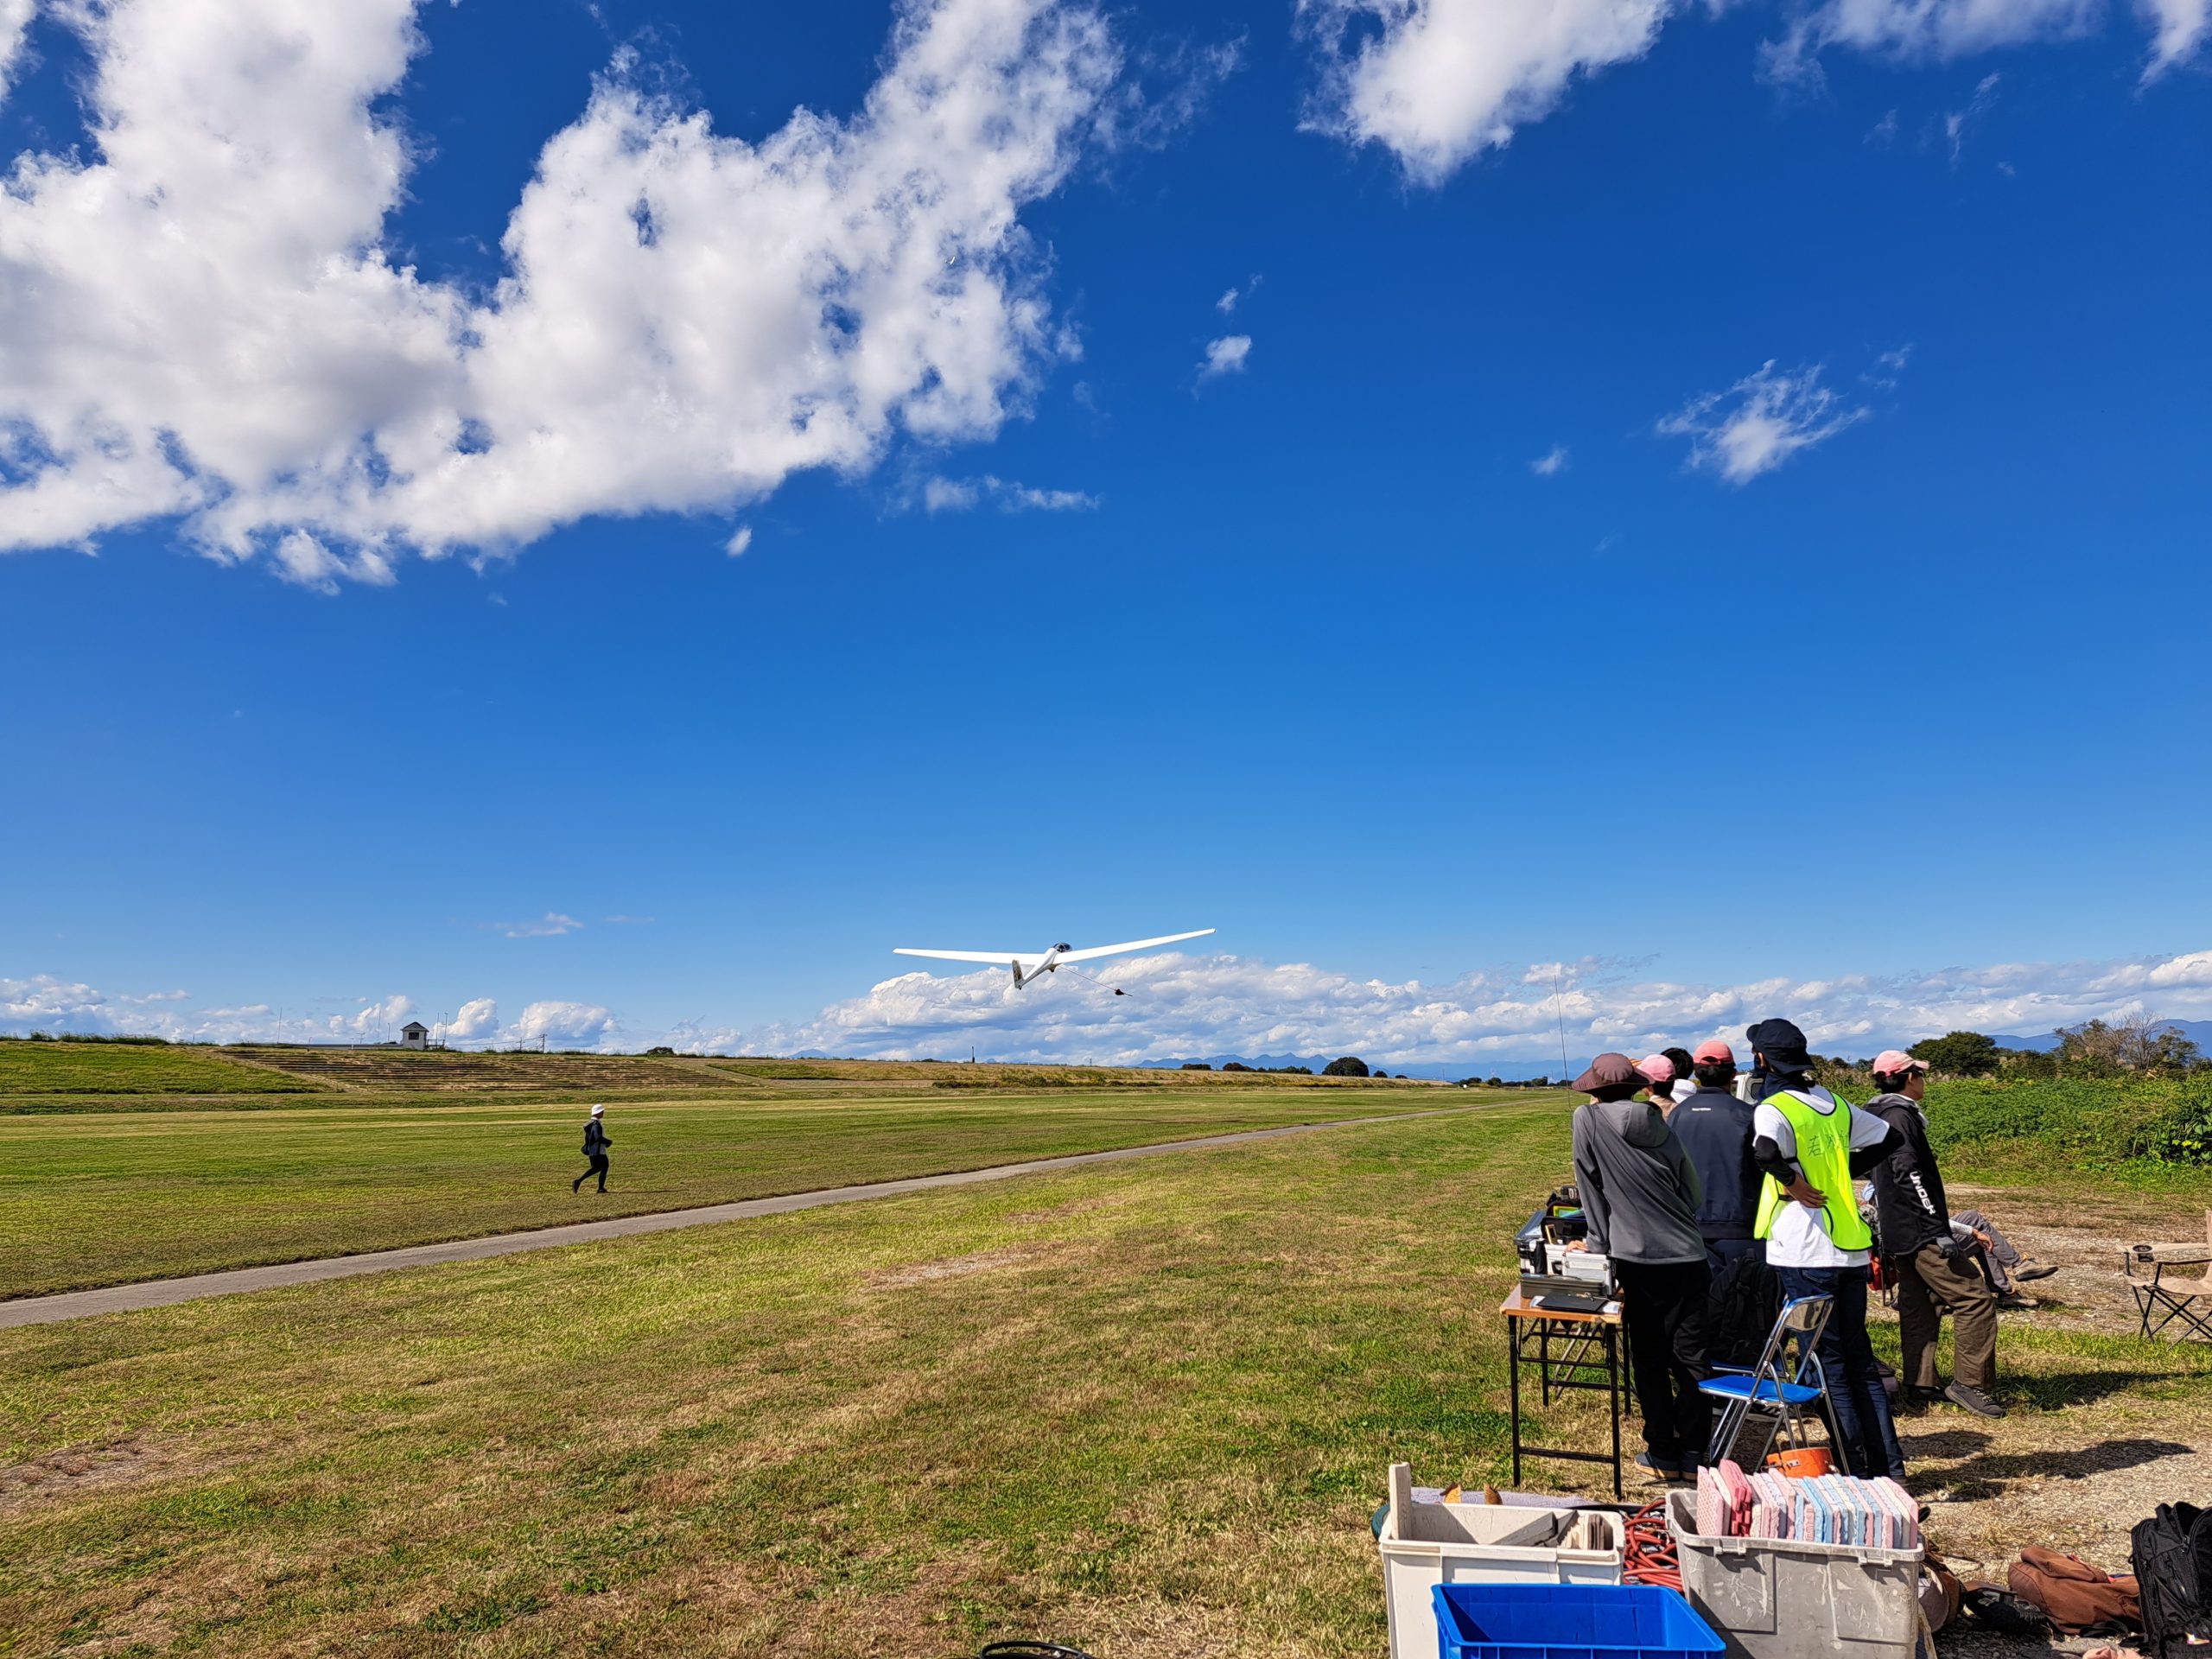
x: 2173, y: 1567
x: 2078, y: 1597
x: 1740, y: 1311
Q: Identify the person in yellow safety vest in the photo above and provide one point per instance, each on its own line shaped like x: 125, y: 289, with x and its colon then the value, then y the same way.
x: 1809, y: 1145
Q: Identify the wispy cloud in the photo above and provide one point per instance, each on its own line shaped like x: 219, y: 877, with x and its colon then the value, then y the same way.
x: 1226, y: 356
x: 1551, y: 463
x: 961, y: 494
x: 552, y: 925
x: 1959, y: 124
x: 629, y: 921
x: 740, y: 539
x: 1760, y: 422
x: 157, y: 996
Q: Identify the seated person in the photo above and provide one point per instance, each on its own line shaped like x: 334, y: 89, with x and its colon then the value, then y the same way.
x: 2006, y: 1269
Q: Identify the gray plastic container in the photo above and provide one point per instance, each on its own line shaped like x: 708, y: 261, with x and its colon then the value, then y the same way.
x: 1778, y: 1599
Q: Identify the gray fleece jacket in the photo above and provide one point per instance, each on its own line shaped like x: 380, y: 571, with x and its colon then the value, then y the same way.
x: 1639, y: 1189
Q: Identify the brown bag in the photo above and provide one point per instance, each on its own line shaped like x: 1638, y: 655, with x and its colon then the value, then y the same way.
x: 2076, y: 1595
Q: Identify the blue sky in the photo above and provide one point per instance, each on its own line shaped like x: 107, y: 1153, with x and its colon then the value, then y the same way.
x: 374, y: 631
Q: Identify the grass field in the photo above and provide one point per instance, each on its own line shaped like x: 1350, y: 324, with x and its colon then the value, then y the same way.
x: 35, y: 1072
x: 1145, y: 1408
x: 101, y: 1198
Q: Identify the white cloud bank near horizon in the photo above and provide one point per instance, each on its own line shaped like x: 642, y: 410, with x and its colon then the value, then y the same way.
x: 198, y: 321
x: 1180, y: 1007
x: 1438, y: 82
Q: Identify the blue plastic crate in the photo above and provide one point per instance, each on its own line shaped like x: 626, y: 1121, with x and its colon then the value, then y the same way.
x: 1566, y: 1621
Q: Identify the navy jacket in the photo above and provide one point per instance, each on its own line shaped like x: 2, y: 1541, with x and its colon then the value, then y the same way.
x: 1715, y: 1130
x: 595, y: 1140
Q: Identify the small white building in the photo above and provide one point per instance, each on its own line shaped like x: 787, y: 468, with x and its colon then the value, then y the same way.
x: 414, y: 1034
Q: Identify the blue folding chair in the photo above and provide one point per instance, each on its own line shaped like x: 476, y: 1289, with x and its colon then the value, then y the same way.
x: 1765, y: 1388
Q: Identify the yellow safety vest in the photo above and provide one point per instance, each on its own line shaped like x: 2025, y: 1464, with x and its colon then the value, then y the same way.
x: 1824, y: 1156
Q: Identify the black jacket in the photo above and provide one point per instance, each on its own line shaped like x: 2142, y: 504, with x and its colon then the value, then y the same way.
x: 1910, y: 1208
x: 1715, y: 1130
x: 595, y: 1140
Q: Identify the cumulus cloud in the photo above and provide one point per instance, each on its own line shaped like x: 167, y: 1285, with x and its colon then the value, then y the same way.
x: 477, y: 1018
x: 958, y: 494
x: 1176, y: 1006
x: 1760, y: 422
x: 198, y: 320
x: 1226, y: 356
x: 552, y: 925
x: 562, y: 1025
x: 1438, y: 81
x: 1551, y: 463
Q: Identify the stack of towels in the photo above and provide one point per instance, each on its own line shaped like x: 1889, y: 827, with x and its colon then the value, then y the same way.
x: 1828, y: 1509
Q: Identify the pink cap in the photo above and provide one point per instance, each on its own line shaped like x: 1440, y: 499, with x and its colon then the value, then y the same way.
x: 1713, y: 1052
x: 1891, y: 1061
x: 1657, y: 1069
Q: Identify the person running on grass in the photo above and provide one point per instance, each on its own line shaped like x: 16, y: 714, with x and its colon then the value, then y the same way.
x: 596, y: 1146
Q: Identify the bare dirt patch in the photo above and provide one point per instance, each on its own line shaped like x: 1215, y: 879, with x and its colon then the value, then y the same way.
x: 957, y: 1267
x: 72, y: 1470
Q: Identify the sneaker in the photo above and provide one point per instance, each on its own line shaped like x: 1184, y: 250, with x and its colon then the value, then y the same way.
x: 1658, y: 1470
x: 2013, y: 1301
x: 1915, y: 1402
x: 1972, y: 1399
x: 2039, y: 1272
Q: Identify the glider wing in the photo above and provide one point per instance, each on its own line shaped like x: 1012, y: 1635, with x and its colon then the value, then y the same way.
x: 1097, y: 951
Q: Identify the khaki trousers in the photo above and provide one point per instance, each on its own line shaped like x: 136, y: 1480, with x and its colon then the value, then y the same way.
x: 1930, y: 1285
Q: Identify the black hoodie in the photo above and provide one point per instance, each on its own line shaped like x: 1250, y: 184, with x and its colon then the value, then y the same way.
x: 1910, y: 1208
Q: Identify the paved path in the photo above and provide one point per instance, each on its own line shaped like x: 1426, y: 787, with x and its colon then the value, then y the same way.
x: 163, y: 1292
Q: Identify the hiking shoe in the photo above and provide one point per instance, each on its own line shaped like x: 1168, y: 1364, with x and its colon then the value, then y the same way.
x: 2015, y: 1302
x: 1658, y: 1470
x: 2039, y: 1272
x: 1972, y: 1399
x: 1917, y: 1401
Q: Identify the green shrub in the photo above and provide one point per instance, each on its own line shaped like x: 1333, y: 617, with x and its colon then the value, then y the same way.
x: 2086, y: 1123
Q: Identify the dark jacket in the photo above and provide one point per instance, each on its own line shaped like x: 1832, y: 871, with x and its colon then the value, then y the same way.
x: 1639, y: 1190
x: 1911, y: 1212
x: 595, y: 1140
x: 1715, y: 1130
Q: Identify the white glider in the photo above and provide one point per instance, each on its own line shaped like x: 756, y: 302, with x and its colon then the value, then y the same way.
x: 1029, y: 966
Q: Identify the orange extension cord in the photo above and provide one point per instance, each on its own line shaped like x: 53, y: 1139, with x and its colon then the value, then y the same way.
x: 1651, y: 1557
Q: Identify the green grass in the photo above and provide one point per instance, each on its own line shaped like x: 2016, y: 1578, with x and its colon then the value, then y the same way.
x: 40, y: 1071
x: 1145, y: 1408
x: 2151, y: 1136
x: 104, y: 1197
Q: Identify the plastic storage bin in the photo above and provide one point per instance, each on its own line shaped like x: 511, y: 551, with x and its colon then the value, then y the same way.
x: 1778, y: 1599
x: 1566, y: 1621
x: 1424, y: 1545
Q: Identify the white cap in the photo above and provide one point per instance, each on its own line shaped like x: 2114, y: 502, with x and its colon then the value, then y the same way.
x: 598, y: 1111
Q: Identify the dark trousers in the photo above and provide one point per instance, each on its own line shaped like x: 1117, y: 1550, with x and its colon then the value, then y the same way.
x: 1862, y: 1405
x: 1663, y: 1304
x: 598, y: 1167
x: 1934, y: 1281
x: 1719, y: 1252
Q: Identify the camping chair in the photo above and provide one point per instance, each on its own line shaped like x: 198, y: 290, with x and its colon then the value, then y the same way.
x: 1781, y: 1400
x: 2183, y: 1305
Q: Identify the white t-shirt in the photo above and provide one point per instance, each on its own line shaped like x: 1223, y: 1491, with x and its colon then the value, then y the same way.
x: 1800, y: 1238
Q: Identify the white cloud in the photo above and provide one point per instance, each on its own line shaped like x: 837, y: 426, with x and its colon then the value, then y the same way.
x: 1438, y: 81
x: 2179, y: 30
x: 1910, y: 30
x: 739, y: 540
x: 1760, y: 422
x: 198, y: 319
x: 1227, y: 302
x: 1551, y: 463
x: 15, y: 19
x: 1226, y: 356
x: 477, y: 1018
x: 552, y: 925
x: 1178, y: 1006
x: 562, y: 1025
x: 378, y: 1019
x: 1959, y: 124
x: 958, y: 494
x: 157, y: 996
